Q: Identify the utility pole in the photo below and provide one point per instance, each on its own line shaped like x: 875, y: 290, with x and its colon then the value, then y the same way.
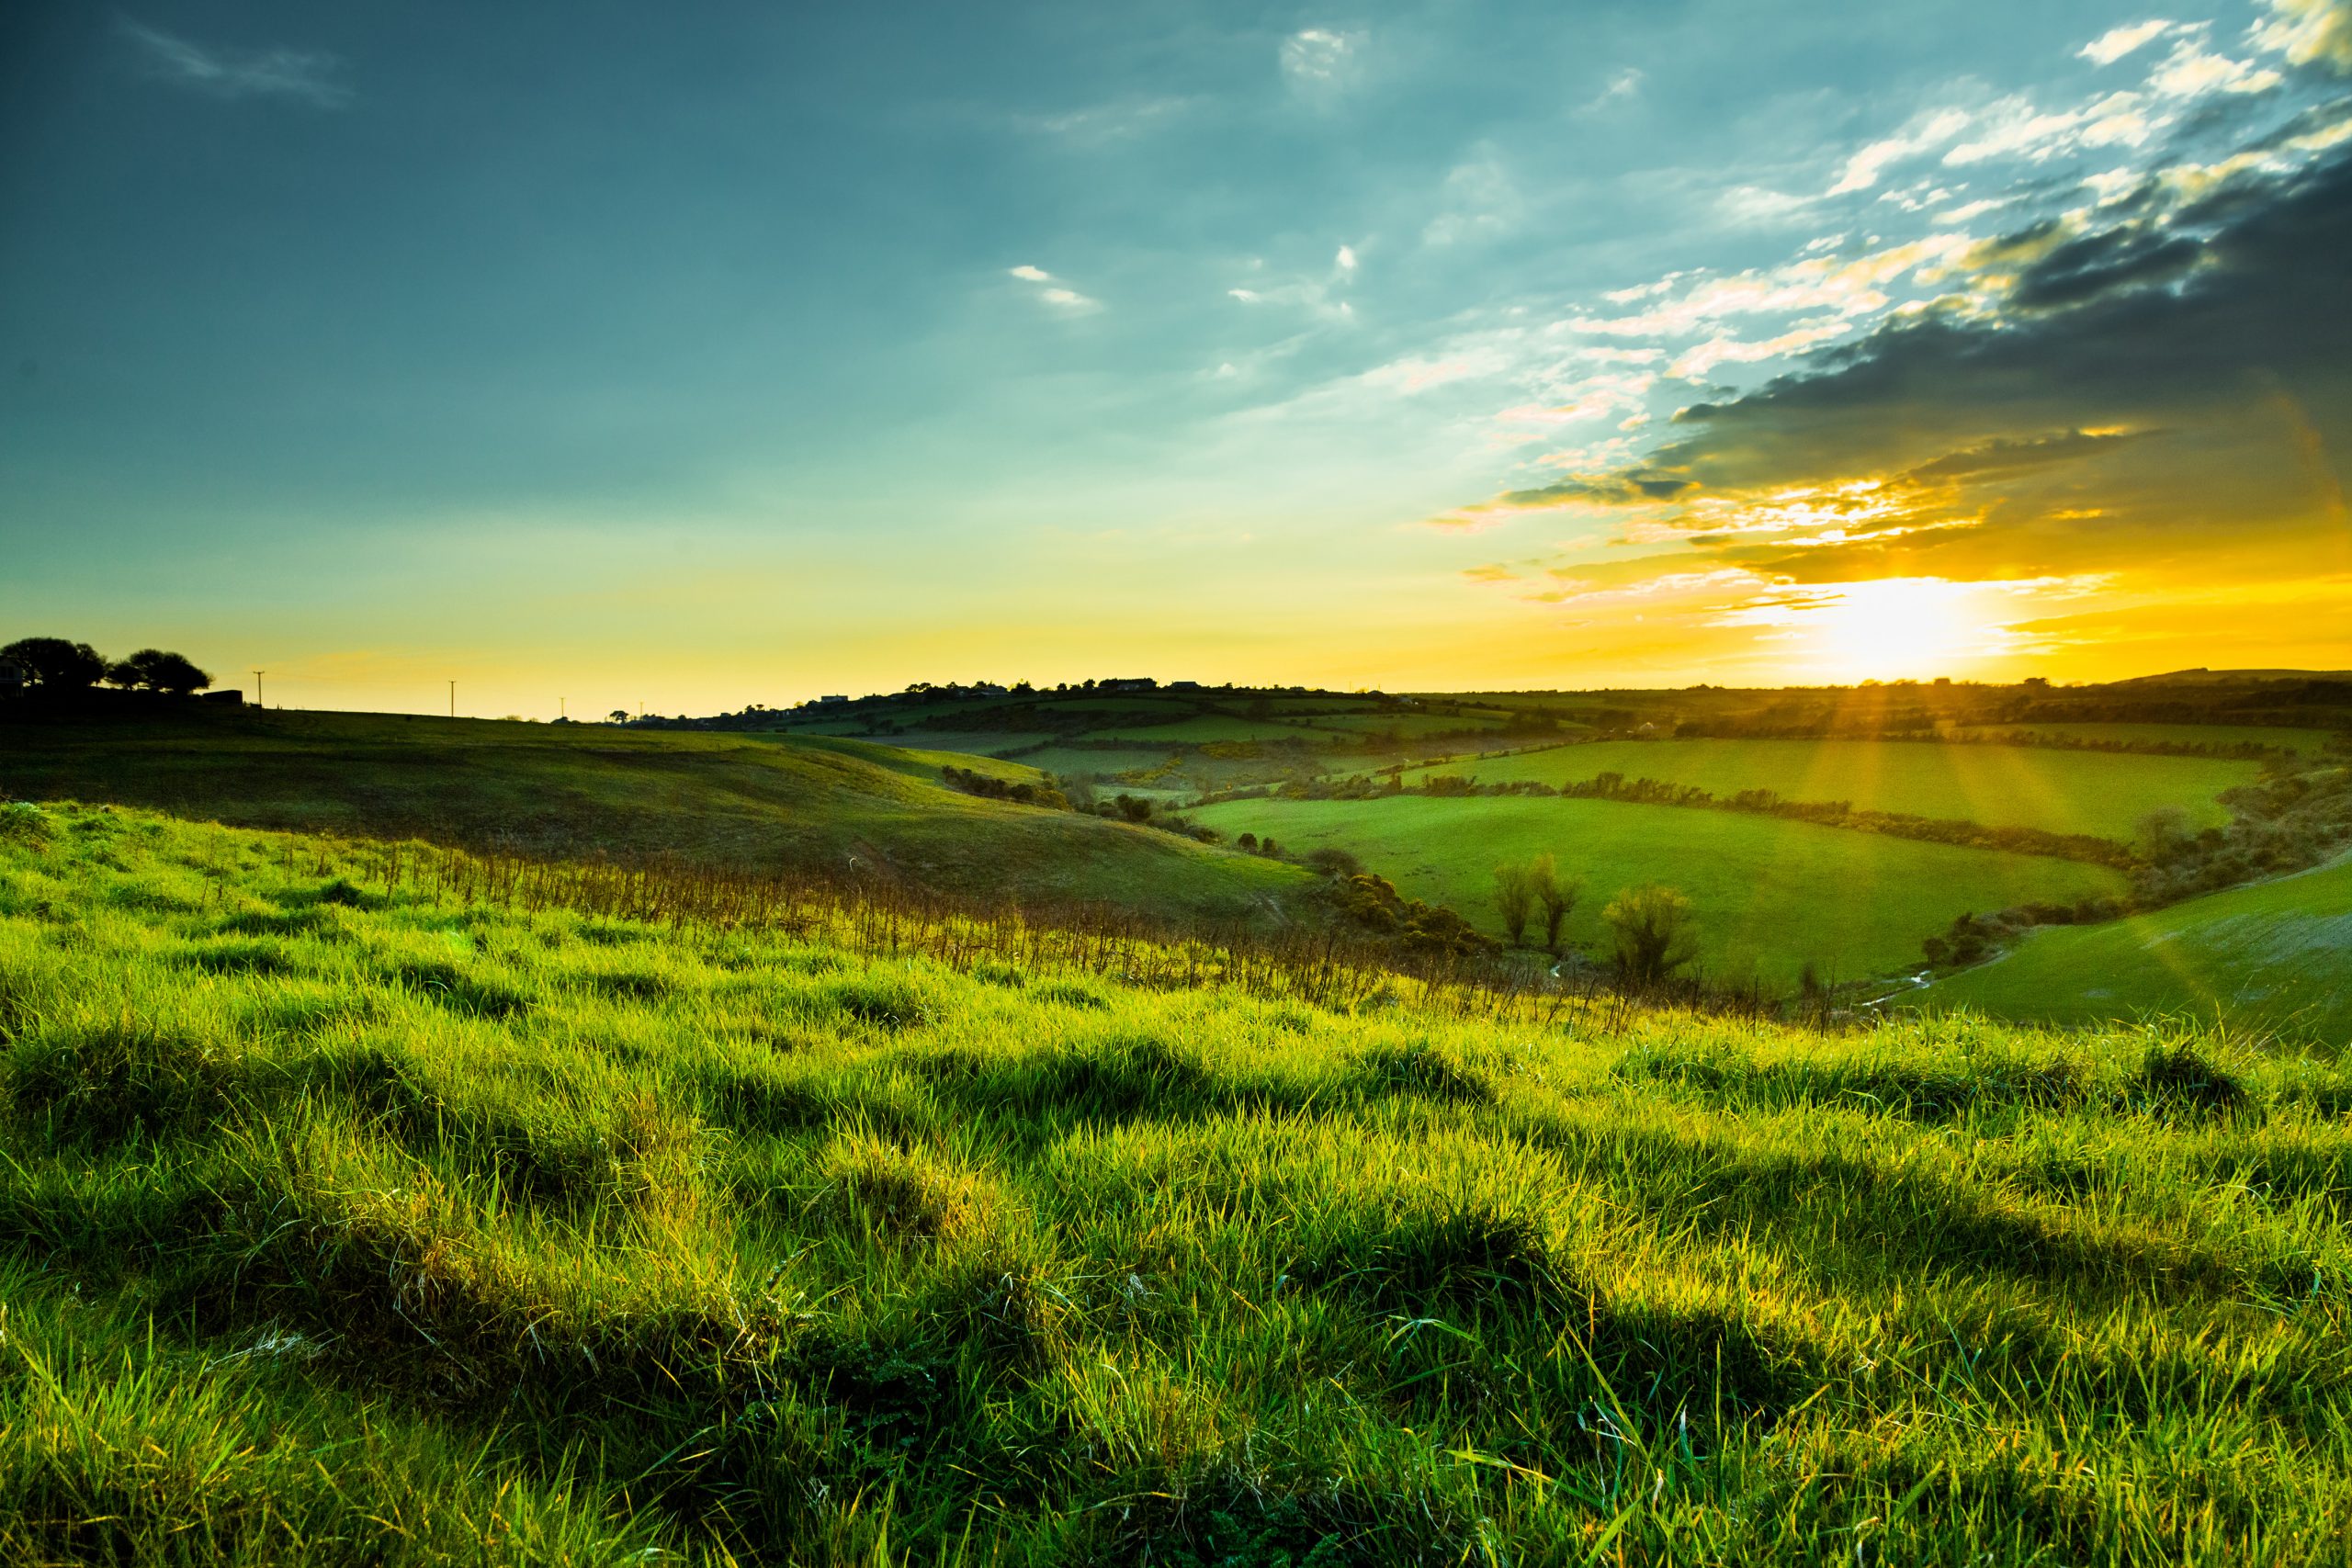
x: 453, y: 699
x: 257, y: 675
x: 559, y: 707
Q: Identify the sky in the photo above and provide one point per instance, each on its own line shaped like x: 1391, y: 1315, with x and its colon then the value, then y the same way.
x: 605, y: 357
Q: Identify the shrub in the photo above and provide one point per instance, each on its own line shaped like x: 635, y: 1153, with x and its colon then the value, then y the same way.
x: 1654, y: 934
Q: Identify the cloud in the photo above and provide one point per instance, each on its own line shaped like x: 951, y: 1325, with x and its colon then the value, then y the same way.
x: 2168, y: 390
x: 2191, y: 70
x: 1101, y: 123
x: 1623, y: 82
x: 2308, y: 32
x: 1863, y: 170
x: 2116, y: 43
x: 304, y: 76
x: 1346, y: 259
x: 1317, y: 59
x: 1055, y: 292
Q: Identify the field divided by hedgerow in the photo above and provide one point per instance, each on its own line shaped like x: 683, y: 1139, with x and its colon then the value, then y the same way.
x: 1770, y: 896
x: 343, y: 1220
x: 2099, y: 793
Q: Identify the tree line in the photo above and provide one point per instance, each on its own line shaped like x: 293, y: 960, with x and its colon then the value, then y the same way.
x: 61, y: 667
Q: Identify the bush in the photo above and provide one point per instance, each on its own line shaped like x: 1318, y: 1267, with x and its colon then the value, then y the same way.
x: 1654, y: 934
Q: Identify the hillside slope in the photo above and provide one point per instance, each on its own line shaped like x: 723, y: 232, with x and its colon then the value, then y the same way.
x: 2276, y: 955
x: 745, y: 803
x: 343, y: 1223
x: 1770, y: 896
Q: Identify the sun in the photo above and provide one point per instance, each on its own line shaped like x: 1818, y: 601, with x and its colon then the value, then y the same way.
x: 1899, y: 628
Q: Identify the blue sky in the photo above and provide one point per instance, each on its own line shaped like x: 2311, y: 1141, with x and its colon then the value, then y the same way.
x: 732, y: 353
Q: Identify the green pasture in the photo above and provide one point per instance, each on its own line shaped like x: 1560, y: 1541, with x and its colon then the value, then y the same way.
x: 349, y: 1224
x: 1204, y: 727
x: 2303, y: 742
x: 2103, y: 793
x: 1771, y: 896
x: 2275, y: 956
x: 736, y: 802
x: 1412, y: 725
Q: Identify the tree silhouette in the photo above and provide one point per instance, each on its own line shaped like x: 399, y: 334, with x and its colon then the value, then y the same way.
x: 154, y: 670
x: 57, y: 664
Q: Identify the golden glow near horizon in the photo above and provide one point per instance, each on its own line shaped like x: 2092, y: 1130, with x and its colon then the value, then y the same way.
x: 2039, y: 363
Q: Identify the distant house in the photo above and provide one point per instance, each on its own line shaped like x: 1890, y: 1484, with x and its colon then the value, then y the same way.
x: 1129, y: 683
x: 824, y: 700
x: 230, y: 697
x: 987, y: 689
x: 1184, y: 686
x: 13, y: 680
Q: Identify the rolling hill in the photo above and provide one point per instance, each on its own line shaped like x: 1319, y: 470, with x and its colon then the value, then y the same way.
x: 2276, y: 955
x: 745, y: 803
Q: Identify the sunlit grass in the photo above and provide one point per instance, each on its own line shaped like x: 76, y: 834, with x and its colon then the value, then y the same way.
x: 342, y: 1221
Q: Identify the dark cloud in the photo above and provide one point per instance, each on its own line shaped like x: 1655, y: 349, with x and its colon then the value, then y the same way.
x: 2014, y: 454
x: 2265, y: 319
x: 1616, y: 489
x: 2081, y: 270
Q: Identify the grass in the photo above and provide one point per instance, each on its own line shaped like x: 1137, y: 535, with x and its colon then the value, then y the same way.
x: 1770, y: 895
x: 1411, y: 726
x: 920, y: 763
x: 342, y: 1222
x: 2304, y: 742
x: 2275, y: 956
x: 746, y: 803
x: 2101, y: 793
x: 1069, y: 762
x: 1204, y: 727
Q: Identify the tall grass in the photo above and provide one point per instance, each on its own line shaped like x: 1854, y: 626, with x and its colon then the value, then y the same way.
x: 430, y: 1209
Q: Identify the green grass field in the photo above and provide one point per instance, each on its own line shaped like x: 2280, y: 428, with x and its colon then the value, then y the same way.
x: 1204, y: 727
x: 1065, y: 762
x: 1770, y: 895
x: 1411, y: 726
x: 2276, y: 955
x: 963, y: 743
x: 744, y: 803
x: 344, y: 1223
x: 2003, y: 787
x: 2304, y: 742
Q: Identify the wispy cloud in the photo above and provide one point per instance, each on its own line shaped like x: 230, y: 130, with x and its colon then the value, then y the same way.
x: 1318, y: 57
x: 300, y: 76
x: 1863, y: 170
x: 1624, y: 83
x: 2116, y: 43
x: 2309, y: 32
x: 1053, y: 290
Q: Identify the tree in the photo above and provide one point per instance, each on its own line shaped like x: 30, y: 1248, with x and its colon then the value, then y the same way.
x: 151, y: 669
x: 56, y: 664
x: 1555, y: 896
x: 2163, y: 834
x: 619, y: 716
x: 1653, y: 931
x: 1514, y: 900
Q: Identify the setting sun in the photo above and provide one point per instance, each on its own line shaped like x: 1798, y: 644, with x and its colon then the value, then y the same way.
x: 1895, y: 629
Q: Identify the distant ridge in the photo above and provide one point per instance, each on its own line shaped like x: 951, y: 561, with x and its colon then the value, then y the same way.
x: 2204, y: 677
